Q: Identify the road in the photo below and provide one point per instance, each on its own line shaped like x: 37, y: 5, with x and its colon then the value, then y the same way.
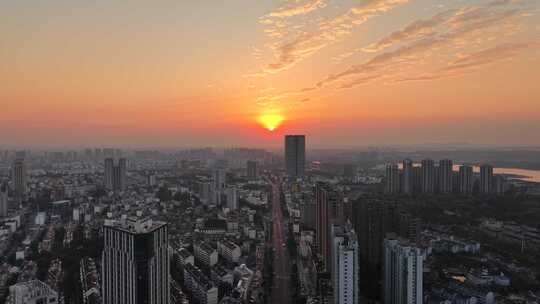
x: 281, y: 288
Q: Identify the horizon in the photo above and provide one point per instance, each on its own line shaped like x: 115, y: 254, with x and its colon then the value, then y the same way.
x: 242, y: 73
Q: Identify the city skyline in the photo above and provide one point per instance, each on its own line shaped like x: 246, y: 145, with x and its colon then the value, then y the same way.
x: 345, y: 73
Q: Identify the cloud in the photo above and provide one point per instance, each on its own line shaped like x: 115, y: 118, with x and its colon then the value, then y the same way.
x: 466, y: 28
x: 419, y: 28
x: 311, y: 37
x: 297, y: 7
x: 488, y: 56
x: 469, y: 63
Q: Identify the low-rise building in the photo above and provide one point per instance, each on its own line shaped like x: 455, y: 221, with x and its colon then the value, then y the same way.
x: 206, y: 254
x: 229, y: 251
x: 201, y: 288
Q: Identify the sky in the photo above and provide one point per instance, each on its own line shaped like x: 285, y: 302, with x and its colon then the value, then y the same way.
x: 347, y: 73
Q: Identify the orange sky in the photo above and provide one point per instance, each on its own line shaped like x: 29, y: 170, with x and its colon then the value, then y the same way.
x: 347, y: 73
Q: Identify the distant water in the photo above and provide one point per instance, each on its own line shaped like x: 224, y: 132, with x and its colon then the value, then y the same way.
x: 524, y: 174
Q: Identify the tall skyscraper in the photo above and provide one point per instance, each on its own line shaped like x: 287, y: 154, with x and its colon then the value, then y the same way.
x: 135, y: 262
x: 218, y: 186
x: 232, y: 198
x: 218, y: 178
x: 20, y: 176
x: 446, y: 173
x: 499, y: 184
x: 408, y: 177
x: 428, y: 176
x: 115, y: 174
x: 345, y: 269
x: 3, y: 199
x: 252, y: 170
x: 329, y: 209
x: 372, y: 219
x: 486, y: 179
x: 465, y: 179
x: 295, y: 155
x: 392, y: 178
x: 322, y: 222
x: 402, y: 272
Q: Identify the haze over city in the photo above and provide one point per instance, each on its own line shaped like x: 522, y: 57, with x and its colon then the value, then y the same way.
x: 270, y: 152
x: 244, y: 73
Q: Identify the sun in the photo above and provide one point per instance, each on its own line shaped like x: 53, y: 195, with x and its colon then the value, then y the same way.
x: 271, y: 121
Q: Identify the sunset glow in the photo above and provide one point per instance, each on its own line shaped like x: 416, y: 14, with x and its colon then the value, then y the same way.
x: 271, y: 121
x: 147, y: 73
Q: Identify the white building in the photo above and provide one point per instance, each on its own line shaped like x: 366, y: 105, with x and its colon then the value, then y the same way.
x: 229, y: 251
x: 402, y: 272
x: 206, y: 254
x: 32, y: 292
x: 345, y: 265
x: 40, y: 218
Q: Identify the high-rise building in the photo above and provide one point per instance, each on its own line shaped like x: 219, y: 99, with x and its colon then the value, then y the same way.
x: 372, y: 219
x: 402, y: 272
x: 3, y: 199
x: 329, y: 209
x: 135, y: 262
x: 486, y: 179
x: 218, y: 186
x: 345, y: 265
x: 465, y: 179
x: 295, y: 155
x: 322, y: 222
x: 428, y: 176
x: 115, y: 174
x: 392, y: 178
x: 219, y: 181
x: 408, y: 177
x: 20, y: 177
x: 446, y: 173
x: 252, y: 170
x: 409, y: 226
x: 417, y: 178
x: 205, y: 192
x: 232, y: 198
x: 308, y: 210
x: 499, y: 184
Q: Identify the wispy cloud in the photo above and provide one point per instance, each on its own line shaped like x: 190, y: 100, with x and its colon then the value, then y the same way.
x: 467, y: 29
x: 471, y: 62
x: 292, y: 45
x: 297, y: 7
x: 417, y: 29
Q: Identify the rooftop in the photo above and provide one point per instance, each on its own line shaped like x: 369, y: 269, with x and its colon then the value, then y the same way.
x: 135, y: 224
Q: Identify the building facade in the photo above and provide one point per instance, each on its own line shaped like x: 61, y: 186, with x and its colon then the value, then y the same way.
x: 446, y: 174
x: 135, y: 262
x: 486, y: 179
x: 345, y: 270
x: 402, y: 272
x: 428, y: 176
x: 466, y: 179
x: 115, y: 174
x: 20, y: 177
x: 295, y: 155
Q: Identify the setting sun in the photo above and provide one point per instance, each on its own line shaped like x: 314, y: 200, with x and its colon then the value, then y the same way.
x: 271, y: 121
